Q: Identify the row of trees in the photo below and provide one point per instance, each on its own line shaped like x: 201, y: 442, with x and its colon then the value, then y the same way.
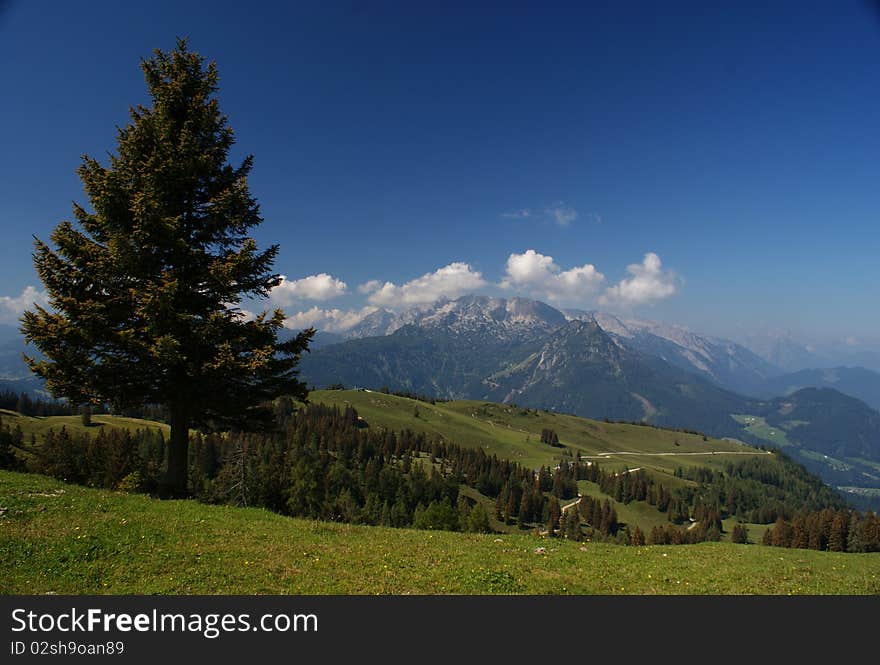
x: 828, y: 529
x: 34, y: 406
x: 322, y: 463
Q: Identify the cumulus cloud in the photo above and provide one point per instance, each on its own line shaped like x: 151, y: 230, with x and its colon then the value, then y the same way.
x: 313, y: 287
x: 331, y: 320
x: 540, y: 276
x: 450, y: 281
x: 369, y: 287
x: 649, y: 283
x: 12, y: 307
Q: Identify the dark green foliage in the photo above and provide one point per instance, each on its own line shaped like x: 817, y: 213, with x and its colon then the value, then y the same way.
x: 637, y: 537
x: 550, y: 437
x: 438, y: 515
x: 29, y: 406
x: 554, y: 513
x: 478, y: 520
x: 571, y: 525
x: 760, y: 489
x: 107, y: 459
x: 828, y: 529
x: 144, y: 291
x: 739, y: 534
x: 9, y: 441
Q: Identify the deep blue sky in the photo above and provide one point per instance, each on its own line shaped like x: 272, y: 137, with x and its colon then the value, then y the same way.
x: 739, y: 144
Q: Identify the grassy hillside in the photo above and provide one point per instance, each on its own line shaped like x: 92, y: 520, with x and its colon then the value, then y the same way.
x: 506, y: 431
x: 515, y: 433
x: 38, y: 426
x: 62, y: 538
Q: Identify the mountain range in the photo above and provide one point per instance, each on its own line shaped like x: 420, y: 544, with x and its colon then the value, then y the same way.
x: 594, y: 364
x: 600, y: 365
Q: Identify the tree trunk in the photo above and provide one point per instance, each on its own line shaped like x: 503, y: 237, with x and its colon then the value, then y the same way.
x: 178, y: 458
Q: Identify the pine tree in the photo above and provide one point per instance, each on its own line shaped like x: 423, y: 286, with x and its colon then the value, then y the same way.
x: 554, y: 513
x: 637, y: 537
x: 854, y: 540
x: 145, y: 292
x: 478, y: 520
x: 837, y: 541
x: 739, y: 534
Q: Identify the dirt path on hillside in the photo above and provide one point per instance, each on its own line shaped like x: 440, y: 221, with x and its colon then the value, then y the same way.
x: 573, y: 503
x: 674, y: 454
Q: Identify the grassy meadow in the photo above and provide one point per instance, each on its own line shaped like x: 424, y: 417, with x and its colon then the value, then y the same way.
x: 66, y: 539
x: 515, y: 433
x: 40, y: 425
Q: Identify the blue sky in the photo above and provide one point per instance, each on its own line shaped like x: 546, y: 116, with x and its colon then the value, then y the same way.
x: 711, y: 166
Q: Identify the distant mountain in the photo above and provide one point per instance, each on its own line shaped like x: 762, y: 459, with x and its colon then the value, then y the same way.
x: 524, y: 351
x: 867, y: 359
x: 834, y: 435
x: 483, y: 318
x: 372, y: 325
x: 792, y: 354
x: 446, y: 349
x: 785, y: 351
x: 9, y: 333
x: 858, y: 382
x: 15, y: 375
x: 721, y: 361
x: 602, y: 366
x: 828, y: 422
x: 12, y: 366
x: 580, y: 369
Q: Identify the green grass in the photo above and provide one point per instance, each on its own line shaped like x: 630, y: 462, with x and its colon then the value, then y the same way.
x: 831, y: 462
x: 62, y: 538
x: 636, y: 513
x: 515, y: 433
x: 758, y: 427
x: 39, y: 426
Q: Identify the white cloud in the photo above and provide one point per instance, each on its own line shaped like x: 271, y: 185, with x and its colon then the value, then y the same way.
x: 12, y: 307
x: 562, y: 214
x: 313, y: 287
x: 649, y: 283
x: 331, y: 320
x: 451, y: 281
x: 369, y: 287
x: 540, y: 276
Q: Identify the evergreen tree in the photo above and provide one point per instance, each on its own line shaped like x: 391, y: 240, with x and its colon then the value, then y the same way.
x: 837, y: 540
x: 637, y: 537
x: 144, y: 293
x: 554, y: 513
x: 8, y: 459
x: 478, y: 520
x: 571, y: 524
x: 739, y: 534
x: 854, y: 539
